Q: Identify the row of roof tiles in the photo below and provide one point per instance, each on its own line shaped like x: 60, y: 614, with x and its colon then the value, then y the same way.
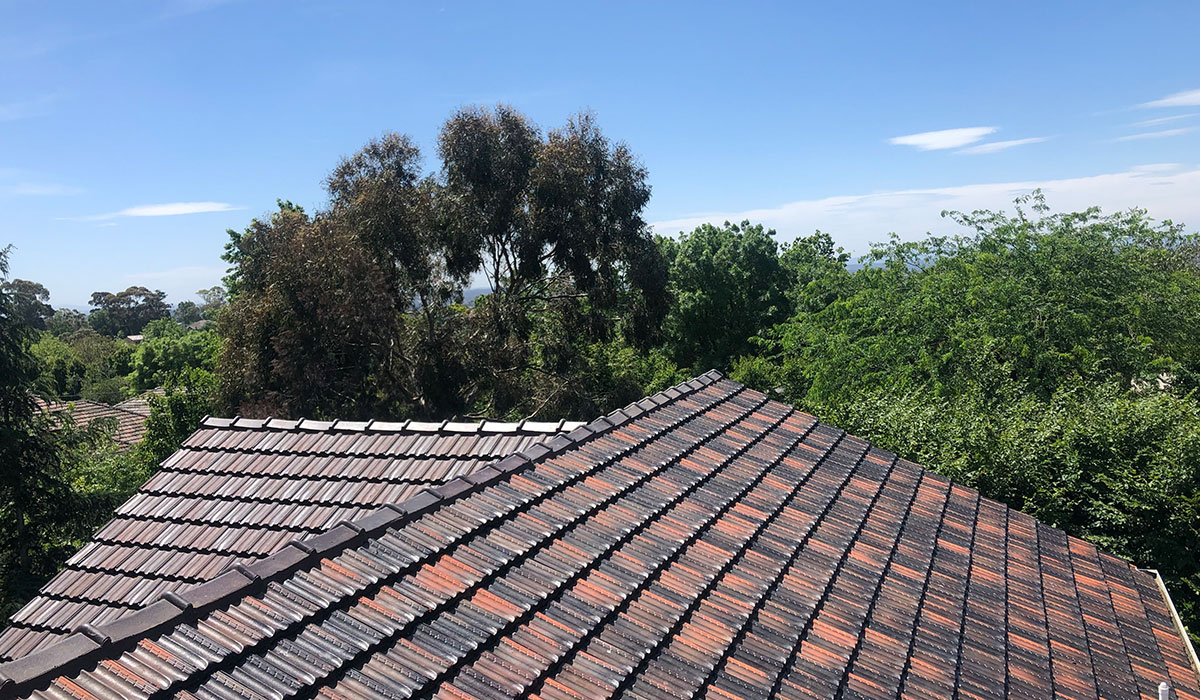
x: 705, y: 542
x: 239, y: 490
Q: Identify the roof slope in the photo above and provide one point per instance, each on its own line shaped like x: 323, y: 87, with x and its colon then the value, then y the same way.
x: 704, y: 541
x: 130, y: 420
x: 140, y: 404
x: 240, y: 490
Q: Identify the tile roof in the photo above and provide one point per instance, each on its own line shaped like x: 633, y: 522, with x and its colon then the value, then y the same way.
x: 140, y: 404
x: 130, y: 420
x: 703, y: 542
x: 240, y: 490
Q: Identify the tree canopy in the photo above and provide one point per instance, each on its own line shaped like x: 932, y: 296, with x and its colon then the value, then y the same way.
x: 126, y: 313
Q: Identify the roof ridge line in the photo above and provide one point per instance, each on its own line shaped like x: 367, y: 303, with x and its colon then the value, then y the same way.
x: 483, y: 425
x: 89, y: 643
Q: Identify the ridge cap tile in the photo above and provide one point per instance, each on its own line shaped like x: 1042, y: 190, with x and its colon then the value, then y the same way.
x: 453, y: 488
x: 535, y: 452
x: 424, y: 500
x: 338, y: 536
x: 42, y: 666
x: 211, y: 593
x: 279, y: 562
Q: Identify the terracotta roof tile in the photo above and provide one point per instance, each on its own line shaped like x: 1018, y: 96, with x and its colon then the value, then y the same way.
x: 240, y: 490
x: 716, y: 544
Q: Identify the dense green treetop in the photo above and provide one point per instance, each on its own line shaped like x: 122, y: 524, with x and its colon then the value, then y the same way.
x: 126, y: 313
x: 30, y: 301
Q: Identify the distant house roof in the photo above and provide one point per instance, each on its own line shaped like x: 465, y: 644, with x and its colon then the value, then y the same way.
x: 703, y: 542
x: 201, y: 324
x: 129, y: 417
x: 240, y: 490
x: 137, y: 338
x: 140, y: 404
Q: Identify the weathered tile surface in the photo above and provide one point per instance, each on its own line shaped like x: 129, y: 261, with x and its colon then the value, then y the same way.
x: 705, y: 542
x: 236, y: 493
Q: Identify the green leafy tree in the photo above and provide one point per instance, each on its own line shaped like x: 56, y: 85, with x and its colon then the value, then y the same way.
x: 727, y: 285
x: 187, y: 313
x: 127, y: 312
x: 168, y: 355
x: 555, y: 224
x: 66, y: 322
x: 212, y: 300
x: 30, y: 301
x: 312, y: 329
x: 107, y: 363
x: 35, y: 495
x: 63, y: 373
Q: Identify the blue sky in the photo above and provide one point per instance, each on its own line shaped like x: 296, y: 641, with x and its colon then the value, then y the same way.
x: 117, y: 118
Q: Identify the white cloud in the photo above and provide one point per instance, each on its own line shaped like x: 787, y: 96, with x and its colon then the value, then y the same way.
x: 1163, y: 120
x: 995, y: 146
x: 1157, y: 134
x: 170, y: 209
x: 947, y: 138
x: 855, y: 221
x: 1187, y: 98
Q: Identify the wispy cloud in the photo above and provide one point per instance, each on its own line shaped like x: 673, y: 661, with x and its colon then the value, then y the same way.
x: 947, y: 138
x: 1163, y: 120
x: 1187, y: 98
x: 169, y: 209
x: 1156, y: 134
x: 854, y: 221
x: 995, y: 146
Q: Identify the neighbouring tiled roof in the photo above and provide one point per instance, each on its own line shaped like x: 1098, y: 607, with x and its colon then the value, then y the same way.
x: 703, y: 542
x: 130, y: 423
x: 241, y: 489
x: 140, y: 404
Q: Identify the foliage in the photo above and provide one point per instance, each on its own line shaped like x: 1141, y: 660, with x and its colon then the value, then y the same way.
x: 30, y: 301
x: 313, y: 327
x: 356, y: 310
x: 66, y: 322
x: 38, y: 510
x: 126, y: 313
x: 727, y: 286
x: 165, y: 355
x: 1040, y: 301
x: 212, y: 300
x: 62, y: 372
x: 187, y: 312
